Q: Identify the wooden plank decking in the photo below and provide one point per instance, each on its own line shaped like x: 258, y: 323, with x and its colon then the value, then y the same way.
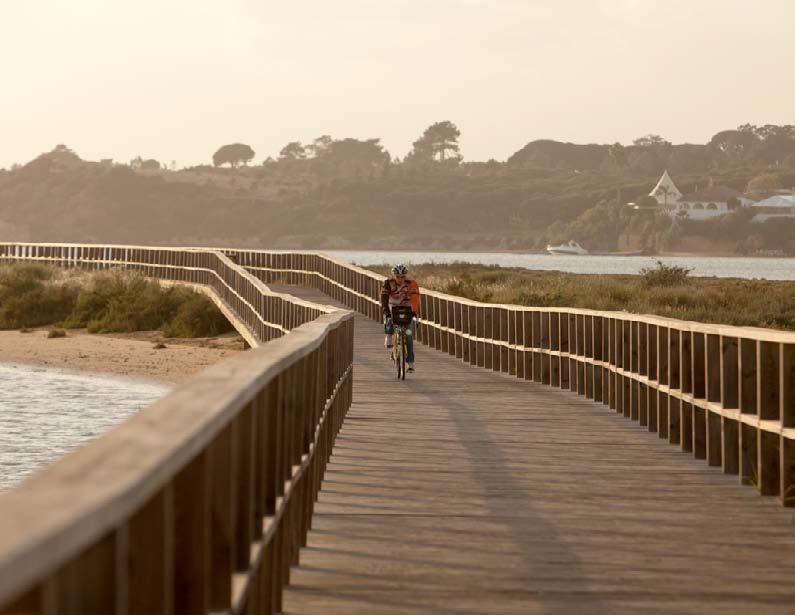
x: 466, y: 491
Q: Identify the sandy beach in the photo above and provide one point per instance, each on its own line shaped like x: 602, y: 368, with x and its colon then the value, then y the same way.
x: 130, y: 354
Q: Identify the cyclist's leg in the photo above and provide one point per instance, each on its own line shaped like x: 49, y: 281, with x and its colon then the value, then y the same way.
x: 389, y: 330
x: 410, y: 344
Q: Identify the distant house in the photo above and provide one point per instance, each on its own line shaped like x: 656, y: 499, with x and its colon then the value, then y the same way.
x: 711, y: 202
x: 665, y: 192
x: 779, y: 206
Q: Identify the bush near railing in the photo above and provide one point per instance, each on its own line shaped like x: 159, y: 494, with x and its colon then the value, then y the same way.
x: 265, y: 314
x: 724, y: 393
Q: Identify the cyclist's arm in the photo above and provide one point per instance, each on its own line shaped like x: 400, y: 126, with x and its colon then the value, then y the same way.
x: 385, y: 290
x: 414, y: 296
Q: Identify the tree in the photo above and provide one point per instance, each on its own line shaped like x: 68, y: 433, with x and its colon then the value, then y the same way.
x: 356, y: 157
x: 618, y: 154
x: 233, y: 154
x: 734, y: 144
x: 293, y: 151
x: 650, y: 140
x: 437, y: 140
x: 150, y: 164
x: 763, y: 183
x: 319, y: 146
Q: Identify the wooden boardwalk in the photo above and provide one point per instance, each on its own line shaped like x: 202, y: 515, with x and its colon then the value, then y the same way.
x: 466, y: 491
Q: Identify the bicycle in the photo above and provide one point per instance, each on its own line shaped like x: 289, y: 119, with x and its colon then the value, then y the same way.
x: 401, y: 319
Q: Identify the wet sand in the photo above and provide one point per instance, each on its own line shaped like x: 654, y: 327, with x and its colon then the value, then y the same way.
x: 131, y: 354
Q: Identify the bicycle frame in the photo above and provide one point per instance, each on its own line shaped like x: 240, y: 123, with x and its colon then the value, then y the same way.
x: 401, y: 349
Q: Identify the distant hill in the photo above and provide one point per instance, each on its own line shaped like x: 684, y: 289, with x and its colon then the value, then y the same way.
x: 547, y: 191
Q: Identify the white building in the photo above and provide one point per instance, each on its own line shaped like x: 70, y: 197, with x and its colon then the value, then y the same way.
x: 779, y: 206
x: 711, y: 202
x: 665, y: 192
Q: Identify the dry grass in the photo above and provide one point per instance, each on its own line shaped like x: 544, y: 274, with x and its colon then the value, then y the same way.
x: 757, y: 303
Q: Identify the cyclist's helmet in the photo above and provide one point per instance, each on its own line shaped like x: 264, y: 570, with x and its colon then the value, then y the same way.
x: 400, y: 269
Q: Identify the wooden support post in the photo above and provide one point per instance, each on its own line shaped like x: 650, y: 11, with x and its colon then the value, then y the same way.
x: 699, y: 433
x: 88, y: 583
x: 674, y: 420
x: 663, y: 349
x: 686, y: 362
x: 598, y: 392
x: 714, y: 456
x: 730, y: 446
x: 686, y: 427
x: 699, y: 366
x: 674, y: 359
x: 662, y: 415
x: 651, y: 406
x: 787, y: 471
x: 643, y: 405
x: 223, y: 494
x: 768, y: 462
x: 748, y: 367
x: 192, y: 537
x: 713, y: 368
x: 729, y: 372
x: 749, y: 473
x: 767, y: 381
x: 786, y: 381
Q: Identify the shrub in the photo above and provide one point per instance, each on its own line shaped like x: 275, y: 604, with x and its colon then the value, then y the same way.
x: 664, y: 275
x: 53, y: 333
x: 29, y: 298
x: 125, y: 302
x: 197, y: 316
x: 113, y: 301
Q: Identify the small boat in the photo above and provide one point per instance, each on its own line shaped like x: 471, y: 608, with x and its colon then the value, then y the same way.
x: 571, y: 247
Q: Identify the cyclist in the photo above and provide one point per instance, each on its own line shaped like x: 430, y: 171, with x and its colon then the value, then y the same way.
x: 399, y: 290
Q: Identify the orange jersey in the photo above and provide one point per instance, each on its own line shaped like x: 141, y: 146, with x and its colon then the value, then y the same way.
x: 406, y: 293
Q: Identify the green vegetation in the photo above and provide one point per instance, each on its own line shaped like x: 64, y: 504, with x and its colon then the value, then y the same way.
x: 344, y: 193
x: 665, y: 290
x: 30, y: 296
x: 113, y: 301
x: 664, y: 275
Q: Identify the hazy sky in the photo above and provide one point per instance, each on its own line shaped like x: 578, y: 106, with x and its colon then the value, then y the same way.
x: 175, y: 79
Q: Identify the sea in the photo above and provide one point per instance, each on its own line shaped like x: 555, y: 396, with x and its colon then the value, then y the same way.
x: 45, y: 413
x: 702, y: 266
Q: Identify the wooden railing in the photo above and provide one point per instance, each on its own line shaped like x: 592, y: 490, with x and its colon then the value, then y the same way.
x: 200, y: 502
x: 726, y: 394
x: 264, y: 314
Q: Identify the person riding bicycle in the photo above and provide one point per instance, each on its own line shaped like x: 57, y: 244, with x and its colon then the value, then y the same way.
x: 399, y: 290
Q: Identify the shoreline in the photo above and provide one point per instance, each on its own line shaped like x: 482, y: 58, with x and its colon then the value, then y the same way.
x: 545, y: 253
x: 130, y: 355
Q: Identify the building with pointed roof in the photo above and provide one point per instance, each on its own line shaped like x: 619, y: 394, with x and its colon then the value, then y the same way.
x: 665, y: 192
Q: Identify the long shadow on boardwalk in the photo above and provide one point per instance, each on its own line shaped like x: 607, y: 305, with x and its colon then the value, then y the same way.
x: 465, y: 491
x: 509, y: 503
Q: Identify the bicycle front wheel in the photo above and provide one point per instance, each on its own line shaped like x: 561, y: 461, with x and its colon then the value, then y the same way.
x: 403, y: 351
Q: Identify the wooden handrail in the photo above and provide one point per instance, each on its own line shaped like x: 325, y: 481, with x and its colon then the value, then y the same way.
x: 201, y: 501
x: 724, y: 393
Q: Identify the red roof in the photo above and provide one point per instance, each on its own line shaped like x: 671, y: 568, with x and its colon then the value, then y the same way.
x: 716, y: 194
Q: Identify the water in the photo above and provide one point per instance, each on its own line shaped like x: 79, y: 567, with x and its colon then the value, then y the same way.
x: 45, y: 413
x: 719, y: 266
